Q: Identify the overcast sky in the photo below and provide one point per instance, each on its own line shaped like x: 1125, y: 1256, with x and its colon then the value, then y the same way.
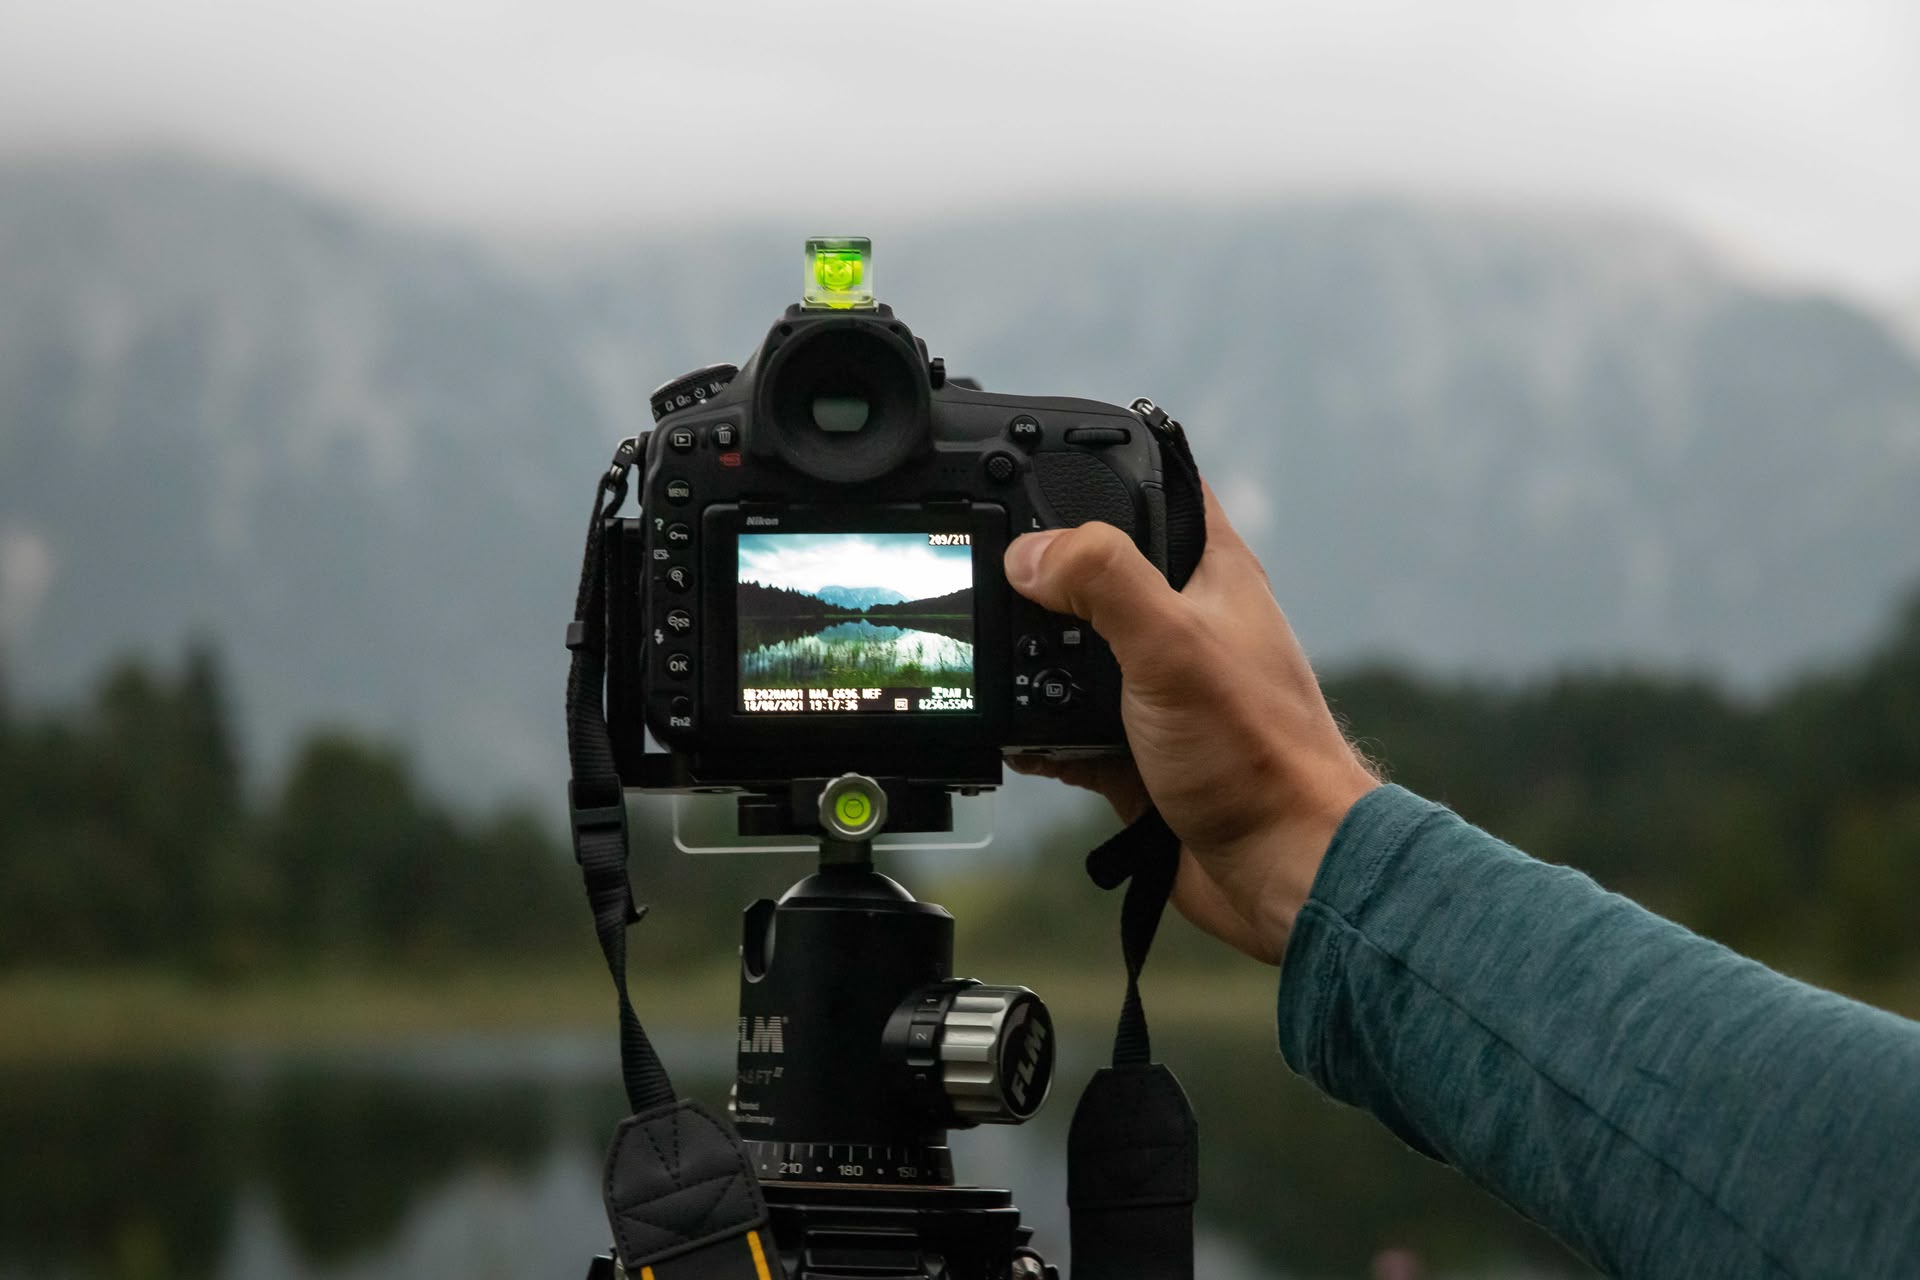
x: 1790, y: 131
x: 902, y: 562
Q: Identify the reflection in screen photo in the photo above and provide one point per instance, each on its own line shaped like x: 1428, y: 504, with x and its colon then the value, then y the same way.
x: 856, y: 622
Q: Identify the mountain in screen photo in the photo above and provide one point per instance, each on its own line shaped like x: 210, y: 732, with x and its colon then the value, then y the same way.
x: 859, y: 597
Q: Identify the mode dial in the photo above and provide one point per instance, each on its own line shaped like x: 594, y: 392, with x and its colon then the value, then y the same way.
x: 690, y: 389
x: 982, y: 1054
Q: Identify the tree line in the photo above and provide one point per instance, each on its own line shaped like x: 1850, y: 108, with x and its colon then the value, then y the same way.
x: 129, y: 833
x: 1787, y: 826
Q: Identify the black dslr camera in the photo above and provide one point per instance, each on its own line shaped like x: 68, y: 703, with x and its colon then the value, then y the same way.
x: 810, y: 612
x: 814, y: 585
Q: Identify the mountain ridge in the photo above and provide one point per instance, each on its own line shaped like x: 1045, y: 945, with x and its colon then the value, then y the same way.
x: 858, y: 597
x: 359, y: 454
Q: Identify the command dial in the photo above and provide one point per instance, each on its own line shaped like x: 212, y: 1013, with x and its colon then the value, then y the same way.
x: 690, y: 389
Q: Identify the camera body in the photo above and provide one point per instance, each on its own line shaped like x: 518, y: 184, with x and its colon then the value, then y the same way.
x: 814, y: 584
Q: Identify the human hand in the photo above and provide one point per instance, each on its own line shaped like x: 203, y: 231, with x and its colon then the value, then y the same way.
x: 1231, y: 737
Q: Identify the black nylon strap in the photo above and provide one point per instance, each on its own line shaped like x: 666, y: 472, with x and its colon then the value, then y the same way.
x: 1147, y: 853
x: 683, y: 1200
x: 680, y: 1192
x: 597, y: 804
x: 1133, y: 1152
x: 1133, y: 1174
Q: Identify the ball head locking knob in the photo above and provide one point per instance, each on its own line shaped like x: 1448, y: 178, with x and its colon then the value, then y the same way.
x: 978, y: 1054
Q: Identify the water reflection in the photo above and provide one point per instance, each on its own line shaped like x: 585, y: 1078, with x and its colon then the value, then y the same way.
x: 483, y: 1159
x: 798, y: 651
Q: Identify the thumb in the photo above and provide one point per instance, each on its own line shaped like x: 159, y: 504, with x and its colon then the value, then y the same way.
x: 1095, y: 572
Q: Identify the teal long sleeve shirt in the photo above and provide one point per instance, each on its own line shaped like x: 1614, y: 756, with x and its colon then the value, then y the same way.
x: 1663, y: 1105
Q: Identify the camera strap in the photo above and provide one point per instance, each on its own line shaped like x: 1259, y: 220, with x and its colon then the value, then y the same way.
x: 1133, y: 1150
x: 681, y: 1194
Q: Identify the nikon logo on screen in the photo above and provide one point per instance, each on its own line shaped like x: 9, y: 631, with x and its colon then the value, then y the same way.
x: 763, y: 1035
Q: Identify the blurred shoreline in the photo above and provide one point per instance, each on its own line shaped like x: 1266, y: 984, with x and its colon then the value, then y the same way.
x: 135, y: 1015
x: 129, y: 1015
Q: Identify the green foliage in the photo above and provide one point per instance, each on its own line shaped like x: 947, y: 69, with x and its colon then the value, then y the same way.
x: 127, y: 835
x: 1788, y: 828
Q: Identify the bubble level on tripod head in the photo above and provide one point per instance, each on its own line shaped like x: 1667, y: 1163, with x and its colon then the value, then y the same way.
x: 839, y: 272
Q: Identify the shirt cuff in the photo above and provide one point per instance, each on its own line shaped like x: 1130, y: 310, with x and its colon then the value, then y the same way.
x: 1376, y: 830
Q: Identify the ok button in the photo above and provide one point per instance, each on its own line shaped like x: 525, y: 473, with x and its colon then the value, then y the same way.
x: 679, y: 665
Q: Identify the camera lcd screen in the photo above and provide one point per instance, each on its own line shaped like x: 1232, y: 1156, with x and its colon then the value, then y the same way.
x: 856, y: 622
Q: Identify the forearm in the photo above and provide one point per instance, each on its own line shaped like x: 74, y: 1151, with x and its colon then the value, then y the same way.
x: 1663, y: 1105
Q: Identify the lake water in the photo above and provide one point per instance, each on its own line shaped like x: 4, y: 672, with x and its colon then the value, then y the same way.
x: 852, y: 653
x: 480, y: 1158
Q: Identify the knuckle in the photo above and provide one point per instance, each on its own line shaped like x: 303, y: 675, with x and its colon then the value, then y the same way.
x: 1099, y: 547
x: 1095, y: 553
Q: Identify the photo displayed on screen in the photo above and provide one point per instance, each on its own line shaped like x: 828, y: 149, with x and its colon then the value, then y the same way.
x: 856, y: 622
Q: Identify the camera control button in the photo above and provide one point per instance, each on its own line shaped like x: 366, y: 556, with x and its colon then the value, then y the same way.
x: 1070, y: 637
x: 678, y: 492
x: 724, y: 436
x: 679, y: 577
x: 1001, y: 467
x: 680, y: 622
x: 679, y: 535
x: 680, y: 713
x: 682, y: 439
x: 1031, y: 648
x: 1098, y: 437
x: 1056, y: 687
x: 679, y: 665
x: 1024, y: 431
